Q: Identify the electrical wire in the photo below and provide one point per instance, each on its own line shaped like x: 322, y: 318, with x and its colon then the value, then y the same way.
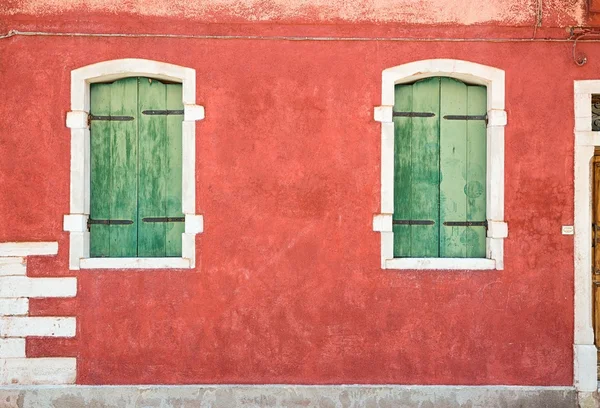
x: 13, y: 33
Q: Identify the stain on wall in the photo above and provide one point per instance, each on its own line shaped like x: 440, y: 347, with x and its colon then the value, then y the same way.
x: 464, y: 12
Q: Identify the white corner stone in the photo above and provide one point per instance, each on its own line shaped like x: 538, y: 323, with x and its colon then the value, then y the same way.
x: 384, y: 113
x: 194, y: 224
x: 23, y: 286
x: 37, y: 326
x: 75, y: 222
x: 77, y: 120
x: 28, y: 248
x: 382, y: 223
x: 15, y: 265
x: 585, y: 360
x: 12, y: 348
x: 38, y: 371
x: 497, y: 229
x: 497, y: 117
x: 193, y: 113
x: 14, y: 306
x: 188, y: 248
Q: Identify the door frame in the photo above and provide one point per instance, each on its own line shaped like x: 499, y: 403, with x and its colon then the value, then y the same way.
x: 584, y: 350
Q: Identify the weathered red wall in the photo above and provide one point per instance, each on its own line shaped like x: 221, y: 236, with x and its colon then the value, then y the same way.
x: 288, y: 287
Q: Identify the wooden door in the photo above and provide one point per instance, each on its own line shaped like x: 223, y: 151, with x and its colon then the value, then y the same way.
x: 596, y: 247
x: 136, y: 169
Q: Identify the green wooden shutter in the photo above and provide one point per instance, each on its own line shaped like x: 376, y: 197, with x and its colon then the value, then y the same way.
x: 136, y: 169
x: 113, y: 184
x: 439, y: 169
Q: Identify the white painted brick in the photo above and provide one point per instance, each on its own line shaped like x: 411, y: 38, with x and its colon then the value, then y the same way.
x: 28, y: 248
x: 75, y: 222
x: 77, y: 120
x: 37, y: 326
x: 23, y: 286
x: 193, y: 112
x: 194, y: 224
x: 14, y: 306
x: 34, y: 371
x: 13, y: 265
x: 12, y: 348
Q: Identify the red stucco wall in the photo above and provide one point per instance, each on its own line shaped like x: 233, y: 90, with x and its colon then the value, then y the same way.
x: 288, y: 287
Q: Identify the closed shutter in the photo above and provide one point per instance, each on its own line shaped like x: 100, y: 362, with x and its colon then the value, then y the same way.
x: 135, y: 207
x: 439, y: 169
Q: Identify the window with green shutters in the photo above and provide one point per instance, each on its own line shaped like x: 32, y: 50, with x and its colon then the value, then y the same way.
x: 439, y: 169
x: 136, y: 168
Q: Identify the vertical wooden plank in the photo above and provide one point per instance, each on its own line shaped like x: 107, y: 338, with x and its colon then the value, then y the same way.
x: 100, y: 175
x: 402, y: 170
x: 453, y: 157
x: 152, y: 168
x: 425, y: 168
x: 173, y: 174
x: 123, y: 200
x: 596, y: 246
x: 475, y: 188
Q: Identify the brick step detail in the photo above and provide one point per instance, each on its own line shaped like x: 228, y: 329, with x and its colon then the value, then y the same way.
x: 37, y: 326
x: 38, y: 371
x: 23, y: 286
x: 10, y: 266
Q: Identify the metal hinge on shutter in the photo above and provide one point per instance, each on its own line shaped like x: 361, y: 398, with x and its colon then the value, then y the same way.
x: 108, y: 117
x: 107, y: 222
x: 466, y: 224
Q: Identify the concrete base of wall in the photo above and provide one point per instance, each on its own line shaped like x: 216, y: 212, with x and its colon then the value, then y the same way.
x: 289, y: 396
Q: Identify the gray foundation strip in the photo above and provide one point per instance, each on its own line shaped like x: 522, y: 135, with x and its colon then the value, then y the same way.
x: 289, y: 396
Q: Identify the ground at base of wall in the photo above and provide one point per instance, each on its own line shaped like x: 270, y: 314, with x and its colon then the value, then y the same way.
x: 588, y: 399
x: 291, y: 396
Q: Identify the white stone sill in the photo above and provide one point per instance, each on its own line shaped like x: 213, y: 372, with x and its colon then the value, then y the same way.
x: 441, y: 263
x: 134, y: 263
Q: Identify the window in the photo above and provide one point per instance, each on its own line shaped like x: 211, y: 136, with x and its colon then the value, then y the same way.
x: 442, y: 166
x: 439, y: 169
x: 133, y: 154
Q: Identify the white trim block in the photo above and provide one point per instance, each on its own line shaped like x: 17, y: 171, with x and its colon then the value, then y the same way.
x: 75, y: 222
x: 12, y: 348
x: 192, y: 113
x: 77, y: 120
x: 14, y: 306
x: 10, y: 266
x: 37, y: 326
x: 28, y: 248
x: 38, y: 371
x: 497, y: 229
x: 441, y: 263
x: 382, y: 222
x: 194, y: 224
x: 134, y: 263
x: 23, y: 286
x: 383, y: 114
x: 497, y: 117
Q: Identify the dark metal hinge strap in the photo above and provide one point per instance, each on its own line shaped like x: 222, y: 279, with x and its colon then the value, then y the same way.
x: 414, y: 114
x: 413, y: 222
x: 163, y: 112
x: 466, y: 224
x: 107, y: 222
x: 109, y: 117
x: 164, y: 219
x: 466, y: 117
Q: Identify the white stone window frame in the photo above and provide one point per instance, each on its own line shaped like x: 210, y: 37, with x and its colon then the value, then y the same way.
x: 471, y: 73
x: 584, y: 350
x: 77, y: 120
